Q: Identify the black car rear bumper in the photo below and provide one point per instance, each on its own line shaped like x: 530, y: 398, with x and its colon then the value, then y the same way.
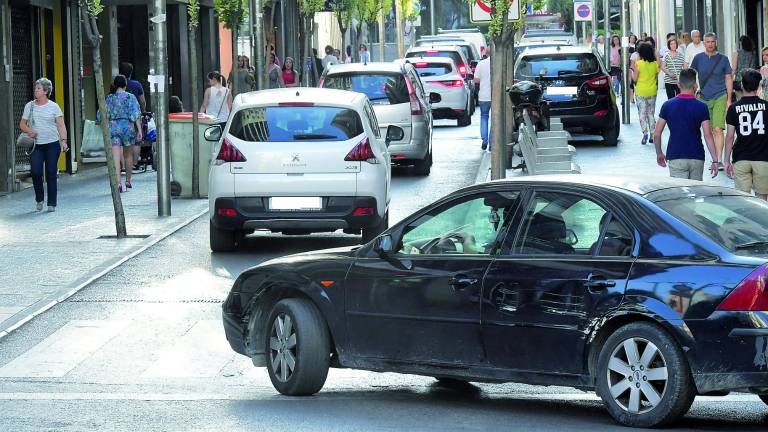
x: 253, y: 213
x: 589, y: 121
x: 447, y: 113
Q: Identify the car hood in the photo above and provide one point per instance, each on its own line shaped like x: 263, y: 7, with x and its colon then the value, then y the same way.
x: 334, y: 253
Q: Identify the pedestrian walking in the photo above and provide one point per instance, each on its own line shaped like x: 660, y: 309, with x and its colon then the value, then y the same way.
x: 665, y: 49
x: 764, y: 73
x: 483, y: 78
x: 645, y: 73
x: 217, y: 100
x: 601, y: 45
x: 43, y: 121
x: 329, y: 58
x: 743, y: 60
x: 289, y: 76
x: 686, y: 117
x: 245, y: 81
x: 275, y: 74
x: 716, y: 81
x: 746, y: 121
x: 616, y: 64
x: 124, y: 127
x: 672, y: 64
x: 684, y: 41
x: 692, y: 49
x: 365, y: 56
x: 318, y: 62
x: 137, y: 90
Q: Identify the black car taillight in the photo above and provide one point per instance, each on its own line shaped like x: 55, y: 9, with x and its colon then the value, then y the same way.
x: 362, y: 152
x: 229, y: 153
x: 751, y: 294
x: 602, y: 81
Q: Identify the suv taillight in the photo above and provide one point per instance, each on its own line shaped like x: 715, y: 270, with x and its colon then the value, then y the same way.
x: 362, y: 152
x: 452, y: 83
x: 463, y: 70
x: 751, y: 294
x: 229, y: 153
x: 416, y: 108
x: 599, y: 82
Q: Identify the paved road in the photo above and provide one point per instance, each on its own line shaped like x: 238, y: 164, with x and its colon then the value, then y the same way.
x: 142, y: 349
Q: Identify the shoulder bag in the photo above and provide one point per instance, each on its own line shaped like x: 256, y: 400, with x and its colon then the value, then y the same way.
x: 226, y: 92
x: 24, y: 141
x: 709, y: 75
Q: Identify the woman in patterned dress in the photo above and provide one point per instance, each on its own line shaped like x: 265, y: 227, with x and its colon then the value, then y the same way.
x: 124, y: 127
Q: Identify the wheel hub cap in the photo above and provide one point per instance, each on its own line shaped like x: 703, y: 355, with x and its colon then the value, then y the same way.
x: 282, y: 348
x: 637, y: 375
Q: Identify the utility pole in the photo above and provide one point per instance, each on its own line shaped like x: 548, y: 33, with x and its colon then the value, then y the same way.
x: 158, y: 81
x: 433, y: 27
x: 382, y: 36
x: 257, y: 30
x: 594, y: 24
x: 625, y: 114
x: 607, y: 26
x: 399, y: 29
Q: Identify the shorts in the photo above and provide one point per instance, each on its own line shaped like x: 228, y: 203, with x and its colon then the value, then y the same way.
x: 750, y: 175
x: 717, y: 111
x: 692, y: 169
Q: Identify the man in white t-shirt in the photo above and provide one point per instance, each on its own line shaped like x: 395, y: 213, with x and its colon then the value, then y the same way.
x: 329, y: 58
x: 693, y: 48
x: 483, y: 77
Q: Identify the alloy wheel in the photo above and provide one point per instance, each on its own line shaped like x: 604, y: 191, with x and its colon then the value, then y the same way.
x: 637, y: 375
x: 282, y: 347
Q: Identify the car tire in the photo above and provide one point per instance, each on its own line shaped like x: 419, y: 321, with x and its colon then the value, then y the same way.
x: 424, y: 166
x: 222, y: 240
x: 659, y: 388
x: 298, y: 334
x: 611, y: 135
x: 373, y: 232
x: 465, y: 119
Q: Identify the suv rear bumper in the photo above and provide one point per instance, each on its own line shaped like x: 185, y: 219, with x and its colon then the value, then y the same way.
x: 253, y: 214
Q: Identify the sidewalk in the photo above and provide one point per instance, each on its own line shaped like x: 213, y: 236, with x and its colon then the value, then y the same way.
x: 47, y: 257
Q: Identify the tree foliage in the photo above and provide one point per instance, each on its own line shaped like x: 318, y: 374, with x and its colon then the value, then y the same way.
x: 565, y: 9
x: 94, y: 7
x: 410, y: 12
x: 311, y: 7
x: 193, y: 10
x: 368, y: 11
x: 231, y: 13
x: 343, y: 10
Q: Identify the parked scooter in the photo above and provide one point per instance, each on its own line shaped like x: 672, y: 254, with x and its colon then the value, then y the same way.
x: 526, y: 96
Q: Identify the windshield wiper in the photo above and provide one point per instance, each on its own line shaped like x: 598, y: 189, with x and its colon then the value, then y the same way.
x: 378, y: 98
x: 751, y: 244
x: 312, y: 136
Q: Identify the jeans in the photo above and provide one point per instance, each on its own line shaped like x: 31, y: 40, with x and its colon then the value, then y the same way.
x: 485, y: 109
x: 48, y: 155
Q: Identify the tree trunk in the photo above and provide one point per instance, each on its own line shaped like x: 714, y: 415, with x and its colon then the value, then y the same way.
x: 117, y: 203
x: 272, y: 37
x: 497, y: 115
x: 235, y: 83
x: 307, y: 47
x: 195, y: 110
x: 509, y: 114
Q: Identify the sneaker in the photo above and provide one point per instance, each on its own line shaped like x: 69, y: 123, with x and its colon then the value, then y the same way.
x: 650, y: 140
x: 645, y: 139
x: 720, y: 166
x: 51, y: 209
x: 484, y: 146
x: 39, y: 206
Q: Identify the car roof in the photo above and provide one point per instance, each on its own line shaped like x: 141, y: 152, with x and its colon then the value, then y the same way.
x: 430, y: 59
x: 300, y: 94
x: 366, y: 67
x: 557, y: 49
x: 635, y: 184
x: 435, y: 48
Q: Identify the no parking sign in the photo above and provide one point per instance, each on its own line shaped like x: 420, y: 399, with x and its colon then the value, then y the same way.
x: 582, y: 11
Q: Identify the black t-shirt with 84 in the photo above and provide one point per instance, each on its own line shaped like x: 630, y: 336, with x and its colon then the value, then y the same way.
x: 749, y: 116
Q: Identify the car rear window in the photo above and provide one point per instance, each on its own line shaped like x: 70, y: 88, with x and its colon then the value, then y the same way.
x: 295, y: 123
x: 435, y: 53
x: 381, y: 89
x: 557, y: 65
x: 427, y: 69
x: 738, y: 223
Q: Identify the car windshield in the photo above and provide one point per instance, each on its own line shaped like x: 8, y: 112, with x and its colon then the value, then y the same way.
x: 557, y: 65
x: 736, y: 222
x: 381, y: 89
x: 426, y: 69
x: 295, y: 123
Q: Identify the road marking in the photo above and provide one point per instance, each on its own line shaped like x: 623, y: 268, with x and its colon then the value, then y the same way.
x: 201, y: 353
x: 60, y: 352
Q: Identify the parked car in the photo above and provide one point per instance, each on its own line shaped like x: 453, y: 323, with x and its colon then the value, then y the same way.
x: 399, y: 99
x: 297, y: 161
x: 454, y: 53
x: 548, y: 36
x: 470, y: 52
x: 576, y: 86
x: 649, y: 292
x: 440, y: 75
x: 473, y: 35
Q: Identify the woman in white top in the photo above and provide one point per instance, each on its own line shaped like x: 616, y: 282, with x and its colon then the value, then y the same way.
x: 672, y: 64
x: 217, y: 100
x: 43, y: 120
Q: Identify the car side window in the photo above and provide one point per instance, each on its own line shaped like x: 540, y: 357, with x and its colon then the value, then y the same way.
x: 372, y: 120
x: 413, y: 76
x: 469, y: 225
x: 567, y: 224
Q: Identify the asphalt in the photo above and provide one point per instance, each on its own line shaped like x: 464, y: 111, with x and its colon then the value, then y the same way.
x: 47, y: 257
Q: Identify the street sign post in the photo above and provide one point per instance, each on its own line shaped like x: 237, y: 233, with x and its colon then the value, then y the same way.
x: 582, y: 11
x: 480, y: 11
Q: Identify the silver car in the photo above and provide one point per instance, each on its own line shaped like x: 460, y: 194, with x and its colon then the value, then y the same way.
x: 440, y: 75
x: 398, y: 99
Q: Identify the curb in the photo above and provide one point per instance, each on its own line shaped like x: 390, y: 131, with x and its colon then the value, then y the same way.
x: 27, y: 314
x: 483, y: 171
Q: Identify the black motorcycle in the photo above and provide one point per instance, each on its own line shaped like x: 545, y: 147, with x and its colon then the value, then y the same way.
x: 527, y: 96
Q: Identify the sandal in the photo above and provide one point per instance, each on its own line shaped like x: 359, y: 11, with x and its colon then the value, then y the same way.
x: 120, y: 187
x: 128, y: 185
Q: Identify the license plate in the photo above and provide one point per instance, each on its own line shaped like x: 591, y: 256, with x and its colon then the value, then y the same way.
x: 562, y: 91
x: 295, y: 203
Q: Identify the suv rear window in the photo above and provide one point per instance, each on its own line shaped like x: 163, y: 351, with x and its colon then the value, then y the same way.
x: 426, y: 69
x: 295, y: 123
x: 381, y: 88
x: 557, y: 65
x: 738, y: 223
x: 435, y: 53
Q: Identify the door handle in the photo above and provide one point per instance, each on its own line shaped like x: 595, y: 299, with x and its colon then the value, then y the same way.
x: 461, y: 281
x: 597, y: 282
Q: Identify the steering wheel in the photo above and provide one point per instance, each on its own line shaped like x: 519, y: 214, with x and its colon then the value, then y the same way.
x: 454, y: 238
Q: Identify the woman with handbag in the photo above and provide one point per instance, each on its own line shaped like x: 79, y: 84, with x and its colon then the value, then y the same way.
x: 124, y: 127
x: 217, y: 100
x: 46, y: 137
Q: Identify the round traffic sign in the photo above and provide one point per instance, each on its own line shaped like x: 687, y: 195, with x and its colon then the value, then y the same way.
x: 583, y: 10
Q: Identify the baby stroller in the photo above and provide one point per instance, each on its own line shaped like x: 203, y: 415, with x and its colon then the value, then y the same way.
x: 147, y: 155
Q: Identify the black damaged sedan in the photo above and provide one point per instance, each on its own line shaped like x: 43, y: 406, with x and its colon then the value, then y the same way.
x: 648, y: 292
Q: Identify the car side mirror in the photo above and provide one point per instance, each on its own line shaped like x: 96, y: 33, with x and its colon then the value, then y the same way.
x: 435, y: 98
x: 212, y: 133
x: 394, y: 133
x: 383, y: 245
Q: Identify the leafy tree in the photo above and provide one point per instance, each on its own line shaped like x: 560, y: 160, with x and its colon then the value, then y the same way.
x: 343, y: 10
x: 193, y: 12
x: 565, y: 9
x: 90, y: 10
x: 232, y: 14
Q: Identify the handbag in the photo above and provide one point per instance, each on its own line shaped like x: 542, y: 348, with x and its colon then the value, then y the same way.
x: 24, y: 141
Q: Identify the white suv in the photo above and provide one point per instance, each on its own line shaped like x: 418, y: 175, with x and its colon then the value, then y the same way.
x: 298, y: 161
